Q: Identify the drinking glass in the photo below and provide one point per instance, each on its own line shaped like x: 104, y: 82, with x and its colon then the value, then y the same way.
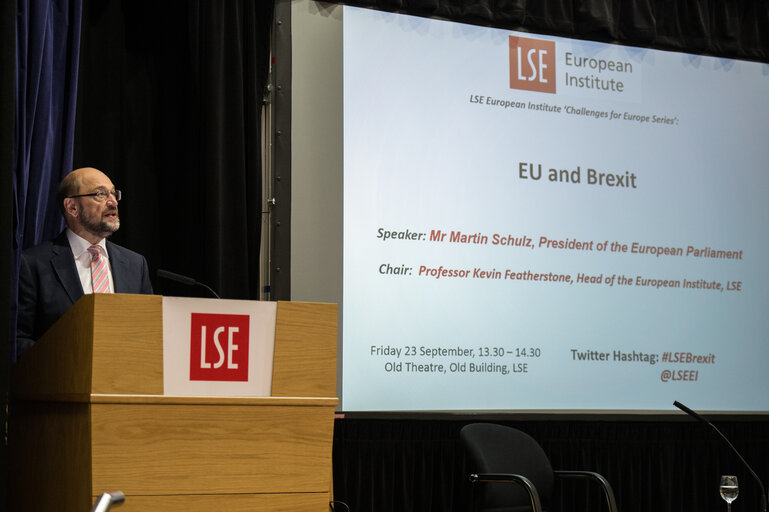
x: 729, y: 490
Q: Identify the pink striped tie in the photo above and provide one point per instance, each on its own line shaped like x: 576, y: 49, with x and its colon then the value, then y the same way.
x: 99, y: 274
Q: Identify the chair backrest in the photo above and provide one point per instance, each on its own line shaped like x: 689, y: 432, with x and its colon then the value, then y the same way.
x: 499, y: 449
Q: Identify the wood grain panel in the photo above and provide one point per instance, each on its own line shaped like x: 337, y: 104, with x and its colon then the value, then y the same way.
x: 95, y: 419
x: 304, y: 363
x: 113, y: 343
x: 105, y: 343
x: 161, y: 449
x: 60, y: 361
x: 128, y: 344
x: 50, y: 457
x: 213, y: 400
x: 227, y: 502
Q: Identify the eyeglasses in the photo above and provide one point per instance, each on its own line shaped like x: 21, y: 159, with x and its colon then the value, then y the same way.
x: 101, y: 195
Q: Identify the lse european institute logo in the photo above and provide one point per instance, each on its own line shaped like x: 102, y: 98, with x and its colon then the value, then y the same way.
x: 219, y: 347
x: 532, y: 64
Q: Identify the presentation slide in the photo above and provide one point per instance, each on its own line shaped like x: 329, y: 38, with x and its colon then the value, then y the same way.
x: 534, y: 223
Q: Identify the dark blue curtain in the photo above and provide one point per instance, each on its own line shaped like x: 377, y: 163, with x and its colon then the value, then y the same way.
x: 47, y: 53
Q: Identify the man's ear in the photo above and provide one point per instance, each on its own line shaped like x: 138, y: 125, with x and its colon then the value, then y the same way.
x: 70, y: 206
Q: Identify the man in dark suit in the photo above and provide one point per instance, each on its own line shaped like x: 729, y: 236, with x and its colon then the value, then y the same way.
x: 55, y: 274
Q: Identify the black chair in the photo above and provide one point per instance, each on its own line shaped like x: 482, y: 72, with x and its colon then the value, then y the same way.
x: 513, y: 471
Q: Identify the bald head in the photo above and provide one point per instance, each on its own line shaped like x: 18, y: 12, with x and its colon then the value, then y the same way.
x: 73, y: 182
x: 90, y: 217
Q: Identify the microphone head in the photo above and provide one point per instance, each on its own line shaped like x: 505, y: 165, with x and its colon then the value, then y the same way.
x: 165, y: 274
x: 689, y: 412
x: 185, y: 280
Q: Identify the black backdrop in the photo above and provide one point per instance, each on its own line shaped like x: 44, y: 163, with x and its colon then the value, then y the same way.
x: 738, y: 28
x: 652, y: 464
x: 168, y: 105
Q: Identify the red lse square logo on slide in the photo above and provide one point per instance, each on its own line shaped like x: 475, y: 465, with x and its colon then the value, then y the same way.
x: 532, y: 64
x: 219, y: 347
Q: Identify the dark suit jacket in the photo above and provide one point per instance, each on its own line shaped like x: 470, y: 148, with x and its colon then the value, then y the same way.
x: 49, y: 284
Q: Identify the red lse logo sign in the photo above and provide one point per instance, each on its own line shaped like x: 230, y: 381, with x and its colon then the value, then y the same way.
x: 219, y: 347
x: 532, y: 64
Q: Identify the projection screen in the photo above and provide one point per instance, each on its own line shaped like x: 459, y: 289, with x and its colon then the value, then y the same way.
x: 522, y: 222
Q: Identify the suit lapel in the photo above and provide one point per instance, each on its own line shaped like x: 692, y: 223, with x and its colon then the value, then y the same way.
x: 119, y: 265
x: 63, y: 263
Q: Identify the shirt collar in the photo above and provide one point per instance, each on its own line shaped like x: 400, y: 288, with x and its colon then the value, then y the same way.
x: 79, y: 245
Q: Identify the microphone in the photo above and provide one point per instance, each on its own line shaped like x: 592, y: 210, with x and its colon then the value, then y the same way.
x: 703, y: 420
x: 692, y: 413
x: 165, y: 274
x: 106, y: 500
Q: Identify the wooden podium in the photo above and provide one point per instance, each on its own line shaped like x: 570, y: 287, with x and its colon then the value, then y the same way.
x: 89, y: 416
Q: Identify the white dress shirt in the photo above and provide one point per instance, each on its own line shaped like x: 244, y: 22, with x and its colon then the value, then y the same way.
x: 83, y: 259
